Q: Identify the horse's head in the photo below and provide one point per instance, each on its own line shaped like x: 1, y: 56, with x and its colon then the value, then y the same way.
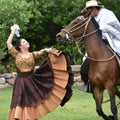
x: 76, y: 28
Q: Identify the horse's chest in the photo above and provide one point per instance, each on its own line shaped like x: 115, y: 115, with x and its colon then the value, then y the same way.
x: 96, y: 74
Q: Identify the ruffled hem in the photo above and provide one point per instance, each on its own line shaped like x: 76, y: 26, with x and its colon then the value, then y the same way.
x: 58, y: 93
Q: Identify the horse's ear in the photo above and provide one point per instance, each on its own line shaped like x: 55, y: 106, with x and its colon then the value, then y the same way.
x: 86, y: 12
x: 83, y: 11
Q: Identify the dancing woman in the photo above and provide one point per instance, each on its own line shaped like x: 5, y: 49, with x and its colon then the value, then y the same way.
x: 38, y: 92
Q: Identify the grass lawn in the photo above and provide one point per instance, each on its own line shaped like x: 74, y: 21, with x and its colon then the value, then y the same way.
x: 80, y: 107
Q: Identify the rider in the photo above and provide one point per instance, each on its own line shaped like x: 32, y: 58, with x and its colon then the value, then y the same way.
x: 110, y: 27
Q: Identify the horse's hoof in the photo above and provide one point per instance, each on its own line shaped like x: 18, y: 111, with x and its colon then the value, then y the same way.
x: 111, y: 118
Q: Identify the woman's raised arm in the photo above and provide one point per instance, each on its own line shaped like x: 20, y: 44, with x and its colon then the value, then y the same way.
x: 10, y: 38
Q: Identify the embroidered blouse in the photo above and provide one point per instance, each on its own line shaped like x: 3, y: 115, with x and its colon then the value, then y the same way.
x: 24, y: 64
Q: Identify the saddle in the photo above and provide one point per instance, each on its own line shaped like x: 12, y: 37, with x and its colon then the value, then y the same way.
x: 86, y: 86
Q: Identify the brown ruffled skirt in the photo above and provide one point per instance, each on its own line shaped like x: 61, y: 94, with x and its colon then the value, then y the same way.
x: 36, y: 94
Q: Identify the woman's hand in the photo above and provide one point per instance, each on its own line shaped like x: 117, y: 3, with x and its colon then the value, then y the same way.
x: 10, y: 38
x: 48, y: 50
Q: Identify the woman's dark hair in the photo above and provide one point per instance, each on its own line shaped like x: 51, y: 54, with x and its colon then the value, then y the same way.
x: 18, y: 44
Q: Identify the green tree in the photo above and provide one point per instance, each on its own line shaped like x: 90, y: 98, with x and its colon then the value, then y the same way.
x: 54, y: 15
x: 41, y: 20
x: 50, y: 16
x: 11, y: 12
x: 112, y: 5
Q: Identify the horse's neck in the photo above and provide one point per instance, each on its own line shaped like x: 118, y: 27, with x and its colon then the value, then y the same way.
x: 94, y: 43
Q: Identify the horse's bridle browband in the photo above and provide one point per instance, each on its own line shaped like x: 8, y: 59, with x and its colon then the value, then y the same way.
x: 68, y: 33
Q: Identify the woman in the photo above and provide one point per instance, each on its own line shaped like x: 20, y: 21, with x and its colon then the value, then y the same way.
x: 35, y: 93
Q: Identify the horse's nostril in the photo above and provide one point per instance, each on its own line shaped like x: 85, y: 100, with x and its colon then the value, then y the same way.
x: 58, y: 36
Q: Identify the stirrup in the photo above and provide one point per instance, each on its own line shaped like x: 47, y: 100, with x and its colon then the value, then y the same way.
x: 82, y: 87
x: 89, y: 87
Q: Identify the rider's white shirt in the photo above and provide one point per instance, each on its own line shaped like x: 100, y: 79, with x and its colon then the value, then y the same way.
x: 110, y: 27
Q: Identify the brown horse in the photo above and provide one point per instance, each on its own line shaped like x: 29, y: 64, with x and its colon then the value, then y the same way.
x: 104, y: 71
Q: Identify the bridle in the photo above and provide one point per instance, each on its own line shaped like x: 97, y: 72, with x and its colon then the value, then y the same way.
x: 77, y: 40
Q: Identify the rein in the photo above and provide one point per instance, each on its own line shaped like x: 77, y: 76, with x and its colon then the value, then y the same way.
x: 78, y: 39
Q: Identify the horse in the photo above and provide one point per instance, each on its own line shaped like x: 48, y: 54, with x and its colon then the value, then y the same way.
x: 104, y: 70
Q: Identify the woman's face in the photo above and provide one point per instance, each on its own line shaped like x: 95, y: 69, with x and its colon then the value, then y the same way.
x: 24, y: 44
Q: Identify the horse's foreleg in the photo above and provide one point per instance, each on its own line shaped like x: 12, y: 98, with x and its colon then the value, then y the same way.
x: 112, y: 91
x: 117, y: 92
x: 98, y: 96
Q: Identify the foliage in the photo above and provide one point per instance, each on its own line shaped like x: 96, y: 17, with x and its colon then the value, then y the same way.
x: 112, y: 5
x: 2, y: 54
x: 53, y: 16
x: 11, y: 12
x: 72, y: 51
x: 56, y: 14
x: 41, y: 20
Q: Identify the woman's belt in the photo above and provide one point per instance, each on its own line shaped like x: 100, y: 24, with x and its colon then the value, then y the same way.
x: 23, y: 74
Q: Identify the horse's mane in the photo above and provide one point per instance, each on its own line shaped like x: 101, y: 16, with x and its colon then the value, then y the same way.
x: 97, y: 27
